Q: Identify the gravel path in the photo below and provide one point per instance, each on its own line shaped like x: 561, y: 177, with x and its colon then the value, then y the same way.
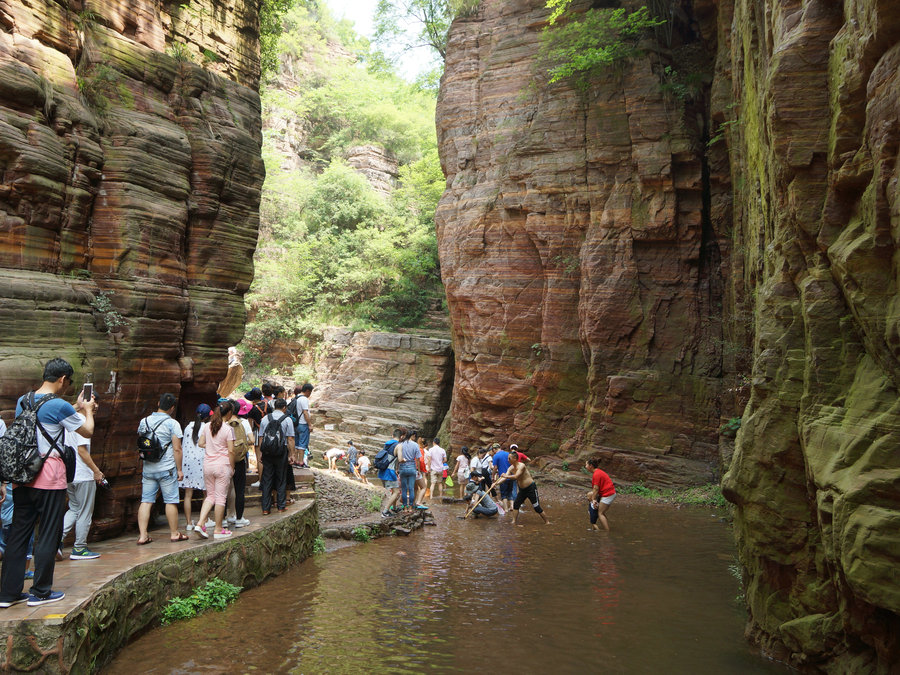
x: 339, y: 498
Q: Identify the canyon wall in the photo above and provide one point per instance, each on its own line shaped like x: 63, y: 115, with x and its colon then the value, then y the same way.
x: 814, y: 130
x: 130, y: 141
x: 584, y: 244
x: 626, y: 271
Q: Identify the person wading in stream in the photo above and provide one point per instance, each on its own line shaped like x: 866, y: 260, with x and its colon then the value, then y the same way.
x: 527, y: 487
x: 164, y: 474
x: 602, y: 494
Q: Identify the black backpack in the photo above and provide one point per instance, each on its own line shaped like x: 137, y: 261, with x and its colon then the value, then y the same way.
x: 272, y: 443
x: 20, y: 460
x: 148, y: 445
x: 384, y: 457
x: 292, y: 410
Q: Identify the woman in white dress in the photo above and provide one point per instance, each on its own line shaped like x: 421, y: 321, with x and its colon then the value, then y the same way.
x: 192, y: 460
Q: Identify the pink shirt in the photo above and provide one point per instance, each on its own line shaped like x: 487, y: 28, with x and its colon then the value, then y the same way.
x: 217, y: 446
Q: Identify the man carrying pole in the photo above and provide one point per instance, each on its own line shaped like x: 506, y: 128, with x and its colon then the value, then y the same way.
x: 527, y: 487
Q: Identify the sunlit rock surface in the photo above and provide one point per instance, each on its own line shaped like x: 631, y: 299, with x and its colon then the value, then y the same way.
x: 131, y: 171
x: 583, y: 274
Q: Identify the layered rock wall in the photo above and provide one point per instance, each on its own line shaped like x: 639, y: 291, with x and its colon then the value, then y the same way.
x: 583, y: 238
x: 131, y: 171
x: 814, y: 134
x: 625, y: 273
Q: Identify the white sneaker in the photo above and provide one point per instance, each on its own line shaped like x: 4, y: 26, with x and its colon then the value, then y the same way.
x: 241, y: 522
x: 230, y: 520
x: 189, y: 527
x: 256, y: 484
x: 210, y: 523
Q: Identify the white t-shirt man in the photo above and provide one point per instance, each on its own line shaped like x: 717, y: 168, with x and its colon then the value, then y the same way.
x: 437, y: 456
x: 82, y: 470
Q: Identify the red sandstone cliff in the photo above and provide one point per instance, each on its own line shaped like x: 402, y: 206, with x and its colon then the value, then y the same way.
x: 129, y: 198
x: 605, y: 297
x: 583, y: 243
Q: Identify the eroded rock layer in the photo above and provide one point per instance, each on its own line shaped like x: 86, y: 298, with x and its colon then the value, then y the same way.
x: 371, y: 383
x: 131, y: 170
x: 605, y: 297
x: 814, y: 136
x: 583, y: 273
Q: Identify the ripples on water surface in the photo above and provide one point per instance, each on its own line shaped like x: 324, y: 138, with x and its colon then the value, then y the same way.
x: 482, y: 596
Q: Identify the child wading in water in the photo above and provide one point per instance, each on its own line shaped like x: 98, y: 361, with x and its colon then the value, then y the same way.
x: 602, y: 494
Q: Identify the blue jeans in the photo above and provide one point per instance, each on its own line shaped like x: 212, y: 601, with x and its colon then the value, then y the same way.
x: 408, y: 485
x: 302, y: 436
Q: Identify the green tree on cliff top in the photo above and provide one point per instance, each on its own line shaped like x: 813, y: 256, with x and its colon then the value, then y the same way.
x: 584, y: 45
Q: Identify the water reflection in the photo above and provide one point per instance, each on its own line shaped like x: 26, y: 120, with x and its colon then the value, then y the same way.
x: 653, y: 596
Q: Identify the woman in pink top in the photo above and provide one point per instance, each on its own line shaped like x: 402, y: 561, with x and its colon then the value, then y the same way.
x: 218, y: 467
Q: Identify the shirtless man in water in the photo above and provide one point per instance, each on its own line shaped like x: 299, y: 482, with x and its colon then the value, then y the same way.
x: 527, y: 487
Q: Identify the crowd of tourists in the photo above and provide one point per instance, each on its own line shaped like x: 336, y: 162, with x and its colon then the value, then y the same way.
x: 212, y: 454
x: 50, y: 478
x: 493, y: 479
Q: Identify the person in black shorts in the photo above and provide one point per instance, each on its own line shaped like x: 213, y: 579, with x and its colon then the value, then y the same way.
x: 527, y: 488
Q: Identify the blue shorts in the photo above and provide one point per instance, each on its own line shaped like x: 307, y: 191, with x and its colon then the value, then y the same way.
x: 154, y: 481
x: 506, y: 489
x: 302, y: 436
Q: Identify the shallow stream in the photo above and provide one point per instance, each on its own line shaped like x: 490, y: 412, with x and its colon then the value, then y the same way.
x: 654, y: 596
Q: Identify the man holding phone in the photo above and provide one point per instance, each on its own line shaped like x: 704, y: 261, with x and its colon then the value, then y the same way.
x: 44, y: 498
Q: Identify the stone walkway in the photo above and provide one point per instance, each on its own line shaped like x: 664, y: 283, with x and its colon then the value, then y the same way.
x: 81, y: 579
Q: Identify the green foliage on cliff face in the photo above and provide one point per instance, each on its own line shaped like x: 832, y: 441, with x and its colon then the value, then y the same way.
x: 580, y: 46
x: 332, y: 249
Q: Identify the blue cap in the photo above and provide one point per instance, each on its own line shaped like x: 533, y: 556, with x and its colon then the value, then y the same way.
x: 203, y: 410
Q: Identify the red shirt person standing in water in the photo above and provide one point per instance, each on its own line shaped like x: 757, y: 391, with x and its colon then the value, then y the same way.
x: 602, y: 494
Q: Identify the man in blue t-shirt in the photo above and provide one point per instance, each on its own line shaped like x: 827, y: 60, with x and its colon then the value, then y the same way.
x: 44, y: 498
x: 501, y: 463
x: 162, y: 476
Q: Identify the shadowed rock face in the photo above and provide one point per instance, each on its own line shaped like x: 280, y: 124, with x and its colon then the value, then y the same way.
x: 816, y: 470
x: 128, y: 204
x: 578, y: 246
x: 583, y: 274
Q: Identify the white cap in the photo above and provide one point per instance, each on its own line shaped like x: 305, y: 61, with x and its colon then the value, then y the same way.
x: 513, y: 445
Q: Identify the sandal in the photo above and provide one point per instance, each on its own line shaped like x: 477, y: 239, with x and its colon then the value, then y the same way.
x: 181, y: 537
x: 143, y: 543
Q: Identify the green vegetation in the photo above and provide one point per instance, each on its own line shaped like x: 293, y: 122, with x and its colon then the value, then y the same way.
x: 112, y: 319
x: 403, y: 25
x: 362, y: 533
x: 319, y: 545
x: 581, y: 47
x: 700, y: 495
x: 374, y: 504
x: 333, y: 249
x: 730, y: 428
x: 214, y: 594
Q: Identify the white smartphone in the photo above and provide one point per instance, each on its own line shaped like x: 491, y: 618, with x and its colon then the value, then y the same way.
x: 88, y: 392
